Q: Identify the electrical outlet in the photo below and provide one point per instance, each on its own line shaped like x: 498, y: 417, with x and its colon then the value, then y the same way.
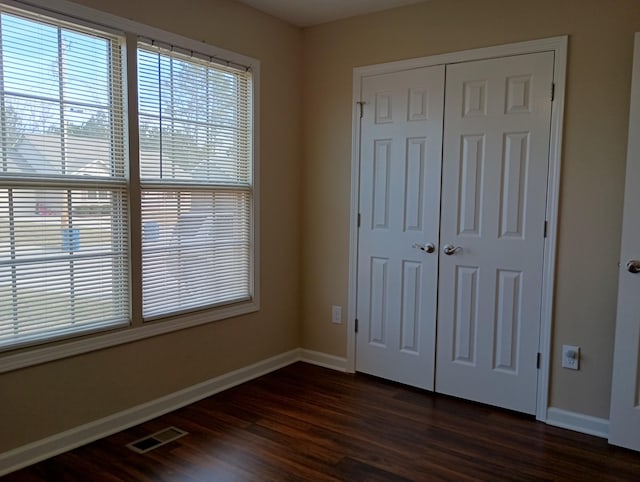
x: 336, y: 314
x: 571, y: 357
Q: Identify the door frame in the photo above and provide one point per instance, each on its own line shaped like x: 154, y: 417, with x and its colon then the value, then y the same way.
x: 559, y: 46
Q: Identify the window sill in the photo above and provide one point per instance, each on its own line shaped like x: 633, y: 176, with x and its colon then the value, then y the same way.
x: 44, y: 354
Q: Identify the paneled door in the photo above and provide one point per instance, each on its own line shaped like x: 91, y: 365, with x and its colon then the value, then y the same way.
x: 624, y: 428
x: 401, y: 139
x: 453, y: 186
x: 494, y: 182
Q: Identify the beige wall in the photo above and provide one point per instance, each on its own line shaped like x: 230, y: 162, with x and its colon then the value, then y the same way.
x: 599, y: 68
x: 46, y: 399
x: 316, y: 65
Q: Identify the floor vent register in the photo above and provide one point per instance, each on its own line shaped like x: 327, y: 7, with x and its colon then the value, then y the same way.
x: 155, y: 440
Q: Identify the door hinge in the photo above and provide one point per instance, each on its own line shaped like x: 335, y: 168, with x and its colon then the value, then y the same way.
x: 356, y: 325
x: 546, y: 225
x: 538, y: 360
x: 359, y: 219
x: 553, y: 92
x: 361, y: 105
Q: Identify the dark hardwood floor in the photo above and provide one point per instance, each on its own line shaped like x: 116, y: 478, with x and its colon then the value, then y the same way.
x: 308, y: 423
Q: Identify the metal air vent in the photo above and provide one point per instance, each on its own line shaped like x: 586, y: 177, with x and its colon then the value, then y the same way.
x: 156, y: 440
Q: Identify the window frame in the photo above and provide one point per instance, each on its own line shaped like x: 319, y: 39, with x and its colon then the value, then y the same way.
x: 56, y: 348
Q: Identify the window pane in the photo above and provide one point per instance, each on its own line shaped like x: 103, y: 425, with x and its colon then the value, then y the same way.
x: 195, y: 249
x: 30, y: 57
x: 63, y: 256
x: 85, y: 64
x: 60, y: 111
x: 194, y: 120
x: 148, y: 82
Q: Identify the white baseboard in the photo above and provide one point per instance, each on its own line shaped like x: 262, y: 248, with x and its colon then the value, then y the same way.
x: 62, y: 442
x: 56, y: 444
x: 323, y: 360
x: 578, y: 422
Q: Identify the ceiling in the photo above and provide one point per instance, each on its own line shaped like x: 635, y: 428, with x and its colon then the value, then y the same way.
x: 305, y: 13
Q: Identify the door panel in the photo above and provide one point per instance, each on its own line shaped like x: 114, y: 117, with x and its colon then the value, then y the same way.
x: 494, y: 180
x: 624, y: 429
x: 399, y: 207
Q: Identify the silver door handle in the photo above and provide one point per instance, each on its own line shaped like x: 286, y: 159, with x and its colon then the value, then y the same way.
x: 427, y: 248
x: 449, y: 250
x: 633, y: 266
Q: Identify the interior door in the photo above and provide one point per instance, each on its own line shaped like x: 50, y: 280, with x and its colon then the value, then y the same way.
x: 401, y: 139
x: 624, y: 421
x: 494, y: 182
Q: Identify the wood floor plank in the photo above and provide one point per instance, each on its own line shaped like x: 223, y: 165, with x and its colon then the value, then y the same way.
x: 308, y: 423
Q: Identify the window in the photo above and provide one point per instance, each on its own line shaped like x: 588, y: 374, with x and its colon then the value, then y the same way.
x: 63, y: 254
x: 195, y: 170
x: 67, y: 180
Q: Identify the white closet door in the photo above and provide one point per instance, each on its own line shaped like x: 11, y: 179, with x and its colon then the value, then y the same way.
x: 494, y: 182
x: 624, y: 428
x: 399, y: 207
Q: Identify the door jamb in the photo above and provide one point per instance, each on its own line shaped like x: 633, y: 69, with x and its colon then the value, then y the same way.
x: 559, y: 46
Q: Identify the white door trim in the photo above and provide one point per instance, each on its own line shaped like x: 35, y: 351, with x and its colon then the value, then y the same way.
x: 559, y: 46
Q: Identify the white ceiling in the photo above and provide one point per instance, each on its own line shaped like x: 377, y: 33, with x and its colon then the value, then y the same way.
x: 305, y: 13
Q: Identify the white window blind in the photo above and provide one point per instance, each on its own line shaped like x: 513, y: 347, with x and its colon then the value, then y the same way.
x: 196, y: 181
x: 63, y: 188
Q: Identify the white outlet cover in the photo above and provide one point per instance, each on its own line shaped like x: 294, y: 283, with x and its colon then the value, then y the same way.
x: 336, y: 314
x: 569, y: 361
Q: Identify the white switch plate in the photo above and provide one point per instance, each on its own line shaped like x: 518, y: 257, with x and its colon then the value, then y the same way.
x: 571, y: 357
x: 336, y: 314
